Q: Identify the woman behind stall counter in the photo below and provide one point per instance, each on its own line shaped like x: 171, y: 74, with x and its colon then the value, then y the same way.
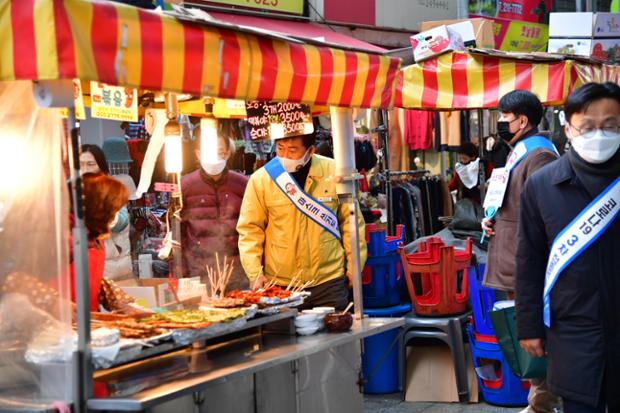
x: 118, y: 263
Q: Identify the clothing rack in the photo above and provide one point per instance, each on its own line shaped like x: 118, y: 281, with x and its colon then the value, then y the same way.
x: 401, y: 173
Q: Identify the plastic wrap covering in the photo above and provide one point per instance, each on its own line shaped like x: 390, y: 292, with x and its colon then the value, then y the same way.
x: 35, y: 313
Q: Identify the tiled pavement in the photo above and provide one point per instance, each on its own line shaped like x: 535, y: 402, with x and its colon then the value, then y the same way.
x: 393, y: 404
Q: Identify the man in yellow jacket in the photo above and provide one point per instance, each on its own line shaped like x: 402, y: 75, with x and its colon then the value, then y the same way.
x: 291, y: 224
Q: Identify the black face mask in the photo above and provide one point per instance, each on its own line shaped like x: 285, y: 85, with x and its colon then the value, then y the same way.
x: 503, y: 130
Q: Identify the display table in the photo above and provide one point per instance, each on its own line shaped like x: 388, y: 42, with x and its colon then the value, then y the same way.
x: 257, y: 373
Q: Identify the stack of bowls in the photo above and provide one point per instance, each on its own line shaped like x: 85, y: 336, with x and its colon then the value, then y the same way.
x: 307, y: 323
x: 320, y: 312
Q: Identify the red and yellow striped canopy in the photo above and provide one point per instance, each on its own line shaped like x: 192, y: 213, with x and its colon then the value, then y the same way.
x: 462, y: 80
x: 123, y: 45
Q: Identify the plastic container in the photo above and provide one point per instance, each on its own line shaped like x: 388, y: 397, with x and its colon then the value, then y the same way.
x: 504, y: 388
x: 385, y: 377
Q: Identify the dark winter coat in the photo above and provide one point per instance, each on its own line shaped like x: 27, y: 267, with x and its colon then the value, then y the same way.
x: 584, y: 340
x: 500, y: 268
x: 209, y: 220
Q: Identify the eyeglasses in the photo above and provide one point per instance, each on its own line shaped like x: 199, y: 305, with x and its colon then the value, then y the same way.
x: 606, y: 130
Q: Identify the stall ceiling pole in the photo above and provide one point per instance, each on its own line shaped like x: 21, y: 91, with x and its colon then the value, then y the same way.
x: 56, y: 94
x: 346, y: 187
x: 382, y: 128
x: 481, y: 169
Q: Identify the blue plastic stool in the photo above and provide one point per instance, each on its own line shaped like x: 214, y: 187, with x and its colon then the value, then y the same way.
x: 507, y: 389
x: 383, y: 368
x: 378, y: 243
x: 482, y: 300
x: 382, y: 281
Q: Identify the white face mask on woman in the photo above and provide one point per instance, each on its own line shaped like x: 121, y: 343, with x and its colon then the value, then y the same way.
x: 596, y: 147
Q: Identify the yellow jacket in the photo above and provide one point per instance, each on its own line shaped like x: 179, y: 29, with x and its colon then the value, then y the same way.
x: 275, y: 235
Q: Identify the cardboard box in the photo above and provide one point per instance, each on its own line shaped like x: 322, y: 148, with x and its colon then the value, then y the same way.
x: 580, y: 47
x: 572, y: 25
x: 430, y: 375
x: 607, y: 50
x: 154, y: 292
x: 483, y: 30
x: 434, y: 42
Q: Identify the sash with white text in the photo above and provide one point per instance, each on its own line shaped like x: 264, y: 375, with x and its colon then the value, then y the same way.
x: 306, y: 204
x: 577, y: 237
x: 501, y: 176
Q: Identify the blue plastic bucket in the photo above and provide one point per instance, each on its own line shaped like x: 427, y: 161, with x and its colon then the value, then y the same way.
x: 384, y: 373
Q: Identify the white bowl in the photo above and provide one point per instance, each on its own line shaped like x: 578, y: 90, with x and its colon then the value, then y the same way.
x: 306, y: 324
x: 325, y: 310
x: 307, y: 317
x: 307, y: 331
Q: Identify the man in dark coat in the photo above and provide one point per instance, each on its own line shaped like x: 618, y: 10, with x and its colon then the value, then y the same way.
x: 521, y: 112
x: 583, y: 337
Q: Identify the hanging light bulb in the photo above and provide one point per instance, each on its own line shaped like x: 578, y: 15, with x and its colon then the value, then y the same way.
x: 208, y: 140
x: 173, y: 147
x: 276, y: 130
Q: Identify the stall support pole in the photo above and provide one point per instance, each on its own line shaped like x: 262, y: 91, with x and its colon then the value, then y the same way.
x: 82, y: 357
x: 346, y: 187
x: 59, y: 94
x: 382, y: 128
x: 481, y: 169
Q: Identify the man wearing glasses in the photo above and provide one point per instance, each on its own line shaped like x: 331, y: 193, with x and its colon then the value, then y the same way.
x: 568, y: 259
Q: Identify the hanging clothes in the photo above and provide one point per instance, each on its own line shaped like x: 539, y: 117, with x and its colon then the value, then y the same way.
x: 419, y: 129
x: 450, y: 126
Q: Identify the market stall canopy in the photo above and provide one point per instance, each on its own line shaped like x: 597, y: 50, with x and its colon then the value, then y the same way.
x: 472, y: 80
x: 304, y: 31
x: 127, y: 46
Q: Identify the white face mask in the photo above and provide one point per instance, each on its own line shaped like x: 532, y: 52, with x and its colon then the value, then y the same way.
x: 114, y: 221
x: 468, y: 174
x: 214, y: 168
x: 594, y: 147
x: 294, y: 165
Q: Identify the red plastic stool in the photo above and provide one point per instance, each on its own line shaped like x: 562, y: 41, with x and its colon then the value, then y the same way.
x: 436, y: 268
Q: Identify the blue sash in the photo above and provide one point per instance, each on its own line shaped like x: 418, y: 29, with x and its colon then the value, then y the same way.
x: 577, y: 237
x: 501, y: 176
x: 306, y: 204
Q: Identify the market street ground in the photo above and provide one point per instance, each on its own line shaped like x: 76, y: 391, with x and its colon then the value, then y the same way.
x: 392, y: 404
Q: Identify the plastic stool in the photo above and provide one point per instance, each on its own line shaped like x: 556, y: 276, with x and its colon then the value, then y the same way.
x: 441, y: 272
x: 379, y: 243
x: 507, y: 389
x: 381, y: 370
x: 382, y: 280
x: 482, y: 300
x: 450, y: 331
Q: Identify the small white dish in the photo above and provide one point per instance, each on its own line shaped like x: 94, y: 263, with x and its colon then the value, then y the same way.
x: 307, y: 317
x: 307, y: 331
x: 325, y: 310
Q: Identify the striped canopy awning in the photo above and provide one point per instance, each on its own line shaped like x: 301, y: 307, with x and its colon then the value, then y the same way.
x: 123, y: 45
x: 461, y: 80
